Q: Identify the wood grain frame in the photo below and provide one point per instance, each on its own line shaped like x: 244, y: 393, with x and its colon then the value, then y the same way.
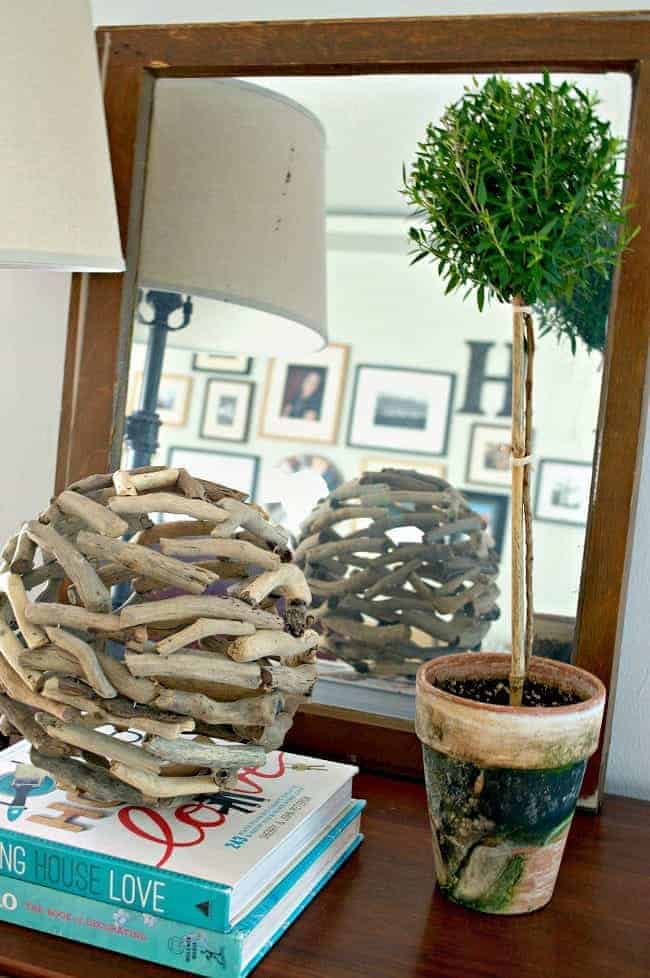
x: 101, y: 309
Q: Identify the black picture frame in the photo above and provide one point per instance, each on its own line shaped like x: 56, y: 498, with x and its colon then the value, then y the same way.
x: 255, y: 459
x: 249, y: 409
x: 401, y: 449
x: 221, y: 370
x: 540, y: 486
x: 501, y: 503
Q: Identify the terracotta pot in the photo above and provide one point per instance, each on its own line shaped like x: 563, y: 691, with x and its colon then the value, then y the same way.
x: 502, y: 781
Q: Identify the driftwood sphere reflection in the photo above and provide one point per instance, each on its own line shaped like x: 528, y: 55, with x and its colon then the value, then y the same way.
x: 211, y: 641
x: 401, y: 569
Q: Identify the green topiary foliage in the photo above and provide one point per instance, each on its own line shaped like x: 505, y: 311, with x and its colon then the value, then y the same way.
x: 516, y: 187
x: 584, y: 315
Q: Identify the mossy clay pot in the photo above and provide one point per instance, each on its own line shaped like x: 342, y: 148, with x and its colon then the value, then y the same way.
x: 503, y: 782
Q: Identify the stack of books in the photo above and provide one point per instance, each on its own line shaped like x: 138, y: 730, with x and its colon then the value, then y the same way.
x: 205, y: 885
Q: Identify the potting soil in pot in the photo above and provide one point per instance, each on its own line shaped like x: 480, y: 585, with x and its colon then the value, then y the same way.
x: 497, y: 691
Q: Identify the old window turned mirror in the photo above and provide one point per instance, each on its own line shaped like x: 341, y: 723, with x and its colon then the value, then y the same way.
x: 411, y: 378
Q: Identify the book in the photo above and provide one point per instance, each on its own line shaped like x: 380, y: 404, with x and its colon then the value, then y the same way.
x: 201, y: 951
x: 201, y: 862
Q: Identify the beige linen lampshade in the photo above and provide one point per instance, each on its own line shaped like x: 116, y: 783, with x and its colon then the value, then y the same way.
x: 234, y: 215
x: 56, y: 186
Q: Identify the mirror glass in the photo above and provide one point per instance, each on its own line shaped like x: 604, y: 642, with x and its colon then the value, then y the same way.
x: 411, y: 379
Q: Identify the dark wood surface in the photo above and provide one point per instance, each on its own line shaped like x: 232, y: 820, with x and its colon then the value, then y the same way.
x: 94, y: 392
x: 380, y: 916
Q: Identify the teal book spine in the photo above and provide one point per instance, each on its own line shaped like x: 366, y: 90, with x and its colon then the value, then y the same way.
x: 158, y: 940
x: 118, y: 882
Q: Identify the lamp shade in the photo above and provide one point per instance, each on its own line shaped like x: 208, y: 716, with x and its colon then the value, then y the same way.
x: 234, y: 215
x: 56, y: 186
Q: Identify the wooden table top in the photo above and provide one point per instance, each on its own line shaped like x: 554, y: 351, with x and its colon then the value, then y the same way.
x: 380, y: 916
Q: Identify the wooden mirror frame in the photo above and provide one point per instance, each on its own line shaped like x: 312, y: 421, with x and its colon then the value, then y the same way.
x: 101, y: 308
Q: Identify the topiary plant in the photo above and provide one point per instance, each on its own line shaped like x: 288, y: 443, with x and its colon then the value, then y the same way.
x: 519, y: 192
x: 583, y: 315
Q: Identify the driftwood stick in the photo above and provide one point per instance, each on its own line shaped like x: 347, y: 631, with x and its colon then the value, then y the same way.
x: 225, y: 569
x: 18, y: 690
x: 168, y: 502
x: 154, y: 786
x: 84, y: 738
x: 134, y: 689
x: 9, y: 549
x: 114, y: 573
x: 216, y: 492
x: 22, y: 718
x: 92, y: 592
x: 204, y: 666
x: 49, y: 658
x: 85, y: 654
x: 190, y: 607
x: 142, y: 560
x: 124, y: 484
x: 201, y: 628
x: 270, y: 737
x: 70, y: 616
x: 12, y: 649
x: 364, y: 544
x: 92, y: 483
x: 190, y: 486
x: 127, y: 716
x: 332, y: 516
x: 368, y: 634
x: 298, y: 680
x: 355, y: 489
x: 353, y: 584
x: 277, y: 644
x: 22, y: 560
x: 251, y: 710
x: 174, y: 528
x: 288, y: 579
x: 154, y: 480
x: 238, y: 550
x: 88, y: 779
x: 50, y: 570
x: 216, y: 756
x: 249, y: 517
x: 393, y: 580
x: 12, y: 585
x: 96, y: 516
x: 305, y: 546
x: 64, y: 689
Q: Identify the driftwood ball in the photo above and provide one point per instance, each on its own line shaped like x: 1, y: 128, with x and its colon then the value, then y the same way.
x: 401, y: 569
x: 212, y: 640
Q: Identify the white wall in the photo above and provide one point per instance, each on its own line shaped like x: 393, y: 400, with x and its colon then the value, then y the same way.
x: 33, y: 335
x: 32, y: 348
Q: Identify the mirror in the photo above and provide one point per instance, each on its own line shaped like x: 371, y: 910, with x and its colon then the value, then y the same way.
x: 411, y: 379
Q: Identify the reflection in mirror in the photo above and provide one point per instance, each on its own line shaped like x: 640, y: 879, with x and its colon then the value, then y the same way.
x: 411, y: 380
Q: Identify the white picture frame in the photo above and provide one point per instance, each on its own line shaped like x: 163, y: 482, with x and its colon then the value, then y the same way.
x: 174, y: 397
x: 401, y: 409
x: 488, y: 457
x: 304, y: 396
x: 563, y: 492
